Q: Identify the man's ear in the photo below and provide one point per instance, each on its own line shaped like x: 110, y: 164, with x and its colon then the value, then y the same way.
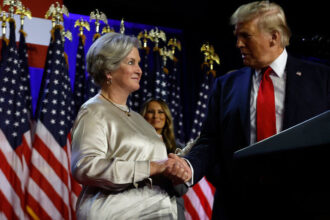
x: 275, y: 38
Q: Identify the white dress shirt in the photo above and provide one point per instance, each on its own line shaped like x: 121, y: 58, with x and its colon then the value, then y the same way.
x: 278, y: 77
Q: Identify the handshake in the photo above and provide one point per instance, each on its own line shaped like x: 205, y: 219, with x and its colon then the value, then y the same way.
x: 175, y: 168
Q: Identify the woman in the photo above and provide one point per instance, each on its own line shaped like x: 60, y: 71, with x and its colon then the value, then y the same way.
x: 158, y: 114
x: 114, y: 150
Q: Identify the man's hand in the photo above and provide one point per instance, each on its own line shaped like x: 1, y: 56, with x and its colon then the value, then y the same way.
x: 177, y: 169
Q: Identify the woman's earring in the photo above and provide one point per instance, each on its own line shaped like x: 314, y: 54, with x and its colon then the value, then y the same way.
x: 109, y: 82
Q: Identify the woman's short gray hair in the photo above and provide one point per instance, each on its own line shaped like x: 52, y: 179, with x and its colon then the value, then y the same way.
x: 271, y: 18
x: 107, y: 52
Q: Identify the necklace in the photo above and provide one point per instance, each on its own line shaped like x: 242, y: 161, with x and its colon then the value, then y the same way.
x: 127, y: 112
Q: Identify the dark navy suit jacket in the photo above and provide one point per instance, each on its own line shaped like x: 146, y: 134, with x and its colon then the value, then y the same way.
x: 227, y: 124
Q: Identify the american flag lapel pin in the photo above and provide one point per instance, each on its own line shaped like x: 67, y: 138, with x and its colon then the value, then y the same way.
x: 298, y: 73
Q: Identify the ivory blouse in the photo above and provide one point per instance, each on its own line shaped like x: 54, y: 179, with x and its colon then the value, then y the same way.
x: 111, y: 154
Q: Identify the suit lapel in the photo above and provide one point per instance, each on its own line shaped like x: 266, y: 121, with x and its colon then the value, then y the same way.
x: 294, y: 76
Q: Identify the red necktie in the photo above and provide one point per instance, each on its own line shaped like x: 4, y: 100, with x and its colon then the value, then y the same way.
x: 266, y: 119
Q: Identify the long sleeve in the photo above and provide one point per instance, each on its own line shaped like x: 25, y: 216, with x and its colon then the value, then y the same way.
x: 110, y: 153
x: 111, y: 150
x: 93, y: 164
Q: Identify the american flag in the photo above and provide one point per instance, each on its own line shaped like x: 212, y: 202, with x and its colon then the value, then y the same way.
x: 80, y: 76
x: 174, y: 100
x: 44, y: 77
x: 15, y: 136
x: 201, y: 107
x: 91, y: 88
x: 25, y: 75
x: 199, y: 199
x: 146, y: 83
x: 161, y: 78
x: 52, y: 193
x: 4, y: 45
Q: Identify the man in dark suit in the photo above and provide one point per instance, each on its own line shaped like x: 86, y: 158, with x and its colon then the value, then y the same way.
x: 297, y: 90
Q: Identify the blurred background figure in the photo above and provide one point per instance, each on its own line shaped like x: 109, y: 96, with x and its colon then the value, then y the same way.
x: 158, y: 114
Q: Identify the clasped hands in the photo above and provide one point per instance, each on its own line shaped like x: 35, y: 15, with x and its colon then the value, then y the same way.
x: 175, y: 168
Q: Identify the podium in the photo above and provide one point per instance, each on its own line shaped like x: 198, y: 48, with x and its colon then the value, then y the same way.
x: 286, y: 176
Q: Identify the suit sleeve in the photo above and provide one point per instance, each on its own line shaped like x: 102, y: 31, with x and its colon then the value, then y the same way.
x: 202, y: 155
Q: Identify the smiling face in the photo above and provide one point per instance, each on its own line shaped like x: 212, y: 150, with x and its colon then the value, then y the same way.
x: 256, y: 46
x: 127, y: 77
x: 155, y: 115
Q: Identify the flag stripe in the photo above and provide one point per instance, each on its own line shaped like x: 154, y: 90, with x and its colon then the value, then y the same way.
x: 53, y: 163
x: 33, y: 27
x: 188, y: 206
x: 44, y: 209
x: 75, y: 186
x: 199, y: 190
x: 37, y: 55
x: 208, y: 191
x: 46, y: 170
x: 195, y: 202
x: 47, y: 138
x: 10, y: 201
x: 6, y: 208
x: 212, y: 189
x: 11, y: 176
x: 48, y: 189
x: 10, y: 159
x: 49, y: 175
x: 23, y: 153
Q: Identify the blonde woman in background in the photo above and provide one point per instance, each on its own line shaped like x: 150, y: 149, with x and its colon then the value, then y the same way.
x: 158, y: 114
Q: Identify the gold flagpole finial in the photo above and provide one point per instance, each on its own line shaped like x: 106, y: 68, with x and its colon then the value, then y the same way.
x: 174, y: 44
x: 122, y: 26
x: 66, y: 34
x: 144, y: 36
x: 23, y: 12
x: 98, y: 16
x: 165, y: 53
x: 107, y: 29
x: 81, y: 23
x: 210, y: 57
x: 157, y: 35
x: 55, y: 12
x: 12, y: 5
x: 4, y: 19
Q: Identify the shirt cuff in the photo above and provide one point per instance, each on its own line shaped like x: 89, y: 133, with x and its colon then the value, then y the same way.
x: 191, y: 181
x: 141, y: 171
